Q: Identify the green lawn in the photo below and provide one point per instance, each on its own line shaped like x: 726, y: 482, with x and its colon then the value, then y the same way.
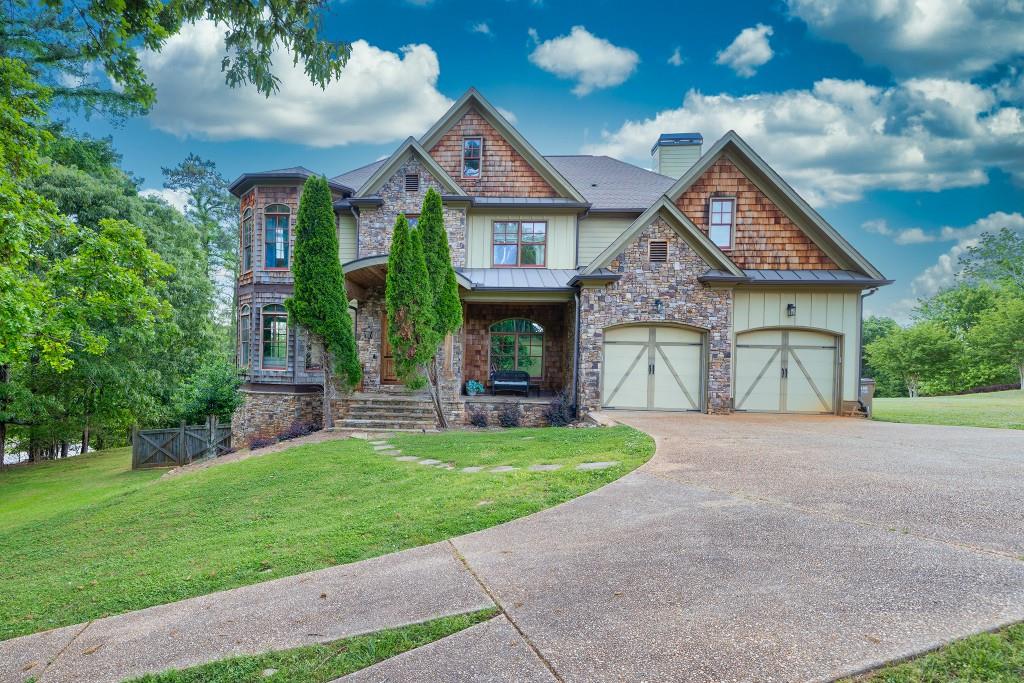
x: 152, y: 542
x: 989, y: 657
x: 998, y: 409
x: 322, y: 663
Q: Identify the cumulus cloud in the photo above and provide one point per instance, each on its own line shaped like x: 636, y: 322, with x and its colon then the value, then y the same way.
x: 900, y: 236
x: 176, y: 198
x: 676, y: 59
x: 748, y: 51
x: 913, y: 37
x: 841, y: 138
x: 381, y: 96
x: 583, y: 57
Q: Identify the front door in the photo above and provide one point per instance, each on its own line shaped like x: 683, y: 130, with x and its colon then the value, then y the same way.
x: 652, y: 368
x: 387, y: 357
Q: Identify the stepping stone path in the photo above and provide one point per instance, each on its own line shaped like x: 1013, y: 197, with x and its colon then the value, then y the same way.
x: 428, y: 461
x: 383, y: 446
x: 393, y: 451
x: 544, y: 468
x: 378, y: 443
x: 472, y: 470
x: 408, y: 458
x: 586, y: 466
x: 503, y: 468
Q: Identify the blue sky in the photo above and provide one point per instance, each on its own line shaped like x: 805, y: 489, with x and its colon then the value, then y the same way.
x: 903, y: 125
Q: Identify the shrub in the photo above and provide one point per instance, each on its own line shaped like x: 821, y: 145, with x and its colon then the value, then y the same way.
x: 560, y: 412
x: 297, y: 429
x: 477, y: 417
x: 473, y: 387
x: 211, y: 390
x: 510, y: 415
x: 259, y: 442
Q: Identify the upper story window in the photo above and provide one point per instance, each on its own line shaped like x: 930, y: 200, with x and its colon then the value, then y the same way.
x: 721, y: 221
x: 244, y: 330
x: 412, y: 182
x: 471, y: 153
x: 275, y: 228
x: 275, y: 337
x: 247, y: 240
x: 657, y: 251
x: 519, y: 243
x: 517, y: 344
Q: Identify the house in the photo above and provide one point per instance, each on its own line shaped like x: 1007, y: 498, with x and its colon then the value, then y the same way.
x: 706, y: 284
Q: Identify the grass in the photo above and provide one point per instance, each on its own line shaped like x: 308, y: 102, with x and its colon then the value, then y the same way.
x: 1004, y: 409
x: 325, y: 662
x: 990, y: 657
x: 305, y: 508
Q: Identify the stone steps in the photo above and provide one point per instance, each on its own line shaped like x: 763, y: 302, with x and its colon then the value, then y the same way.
x: 386, y: 425
x: 389, y: 411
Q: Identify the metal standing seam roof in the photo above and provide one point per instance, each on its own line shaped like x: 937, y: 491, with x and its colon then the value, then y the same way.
x: 799, y: 277
x: 542, y: 279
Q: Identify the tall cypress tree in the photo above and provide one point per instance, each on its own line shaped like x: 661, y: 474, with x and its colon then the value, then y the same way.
x: 411, y: 320
x: 320, y: 303
x: 444, y: 288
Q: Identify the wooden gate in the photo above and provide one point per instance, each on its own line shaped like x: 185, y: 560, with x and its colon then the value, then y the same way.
x: 179, y: 445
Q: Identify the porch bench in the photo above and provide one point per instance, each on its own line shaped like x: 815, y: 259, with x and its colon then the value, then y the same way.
x: 510, y: 380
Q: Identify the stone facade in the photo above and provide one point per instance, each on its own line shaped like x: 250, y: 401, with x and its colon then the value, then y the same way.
x: 532, y: 413
x: 685, y: 301
x: 765, y: 237
x: 503, y: 171
x: 368, y: 337
x: 377, y: 223
x: 268, y: 413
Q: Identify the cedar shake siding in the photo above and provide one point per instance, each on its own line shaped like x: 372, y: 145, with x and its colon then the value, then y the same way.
x: 503, y: 171
x: 764, y: 236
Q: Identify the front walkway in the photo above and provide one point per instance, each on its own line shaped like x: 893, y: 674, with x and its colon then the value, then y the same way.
x: 750, y: 548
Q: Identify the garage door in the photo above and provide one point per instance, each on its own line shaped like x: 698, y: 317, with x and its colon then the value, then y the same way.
x: 786, y: 371
x: 652, y: 368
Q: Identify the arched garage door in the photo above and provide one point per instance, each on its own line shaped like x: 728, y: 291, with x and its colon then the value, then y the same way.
x: 653, y: 368
x: 786, y: 371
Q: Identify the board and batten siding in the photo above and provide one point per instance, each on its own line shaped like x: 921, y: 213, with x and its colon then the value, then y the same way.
x: 561, y: 236
x: 837, y: 312
x: 596, y: 233
x: 346, y: 237
x: 675, y: 160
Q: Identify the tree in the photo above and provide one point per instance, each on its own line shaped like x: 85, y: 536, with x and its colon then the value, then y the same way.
x: 918, y: 354
x: 411, y: 321
x: 874, y: 328
x: 997, y: 257
x: 999, y: 334
x: 212, y: 390
x: 958, y: 308
x: 320, y: 303
x: 443, y: 285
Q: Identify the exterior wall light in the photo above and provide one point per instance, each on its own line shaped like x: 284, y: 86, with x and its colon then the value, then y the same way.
x: 658, y: 306
x: 791, y: 310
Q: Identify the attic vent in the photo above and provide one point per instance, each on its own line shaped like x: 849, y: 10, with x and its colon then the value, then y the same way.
x: 658, y: 251
x: 412, y: 182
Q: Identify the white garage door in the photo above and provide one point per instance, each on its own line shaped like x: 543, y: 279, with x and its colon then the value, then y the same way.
x: 652, y: 368
x: 786, y: 371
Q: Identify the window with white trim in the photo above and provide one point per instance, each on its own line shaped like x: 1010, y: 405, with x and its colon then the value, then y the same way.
x: 722, y: 220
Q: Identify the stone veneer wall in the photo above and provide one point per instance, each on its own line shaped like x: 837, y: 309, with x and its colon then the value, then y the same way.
x: 631, y: 300
x: 765, y: 237
x: 532, y: 413
x: 503, y: 171
x: 377, y: 223
x: 368, y: 337
x: 268, y: 413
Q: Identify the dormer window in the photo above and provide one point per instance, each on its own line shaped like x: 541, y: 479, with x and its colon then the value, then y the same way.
x: 471, y: 153
x: 412, y: 182
x: 721, y: 221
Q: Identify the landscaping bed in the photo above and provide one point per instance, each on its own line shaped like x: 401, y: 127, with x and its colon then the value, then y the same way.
x: 154, y: 541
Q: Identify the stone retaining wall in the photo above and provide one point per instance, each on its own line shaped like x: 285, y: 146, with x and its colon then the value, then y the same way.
x: 268, y: 413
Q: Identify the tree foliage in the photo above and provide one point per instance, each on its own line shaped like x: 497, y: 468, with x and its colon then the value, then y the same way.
x: 412, y: 326
x: 211, y: 390
x: 443, y: 285
x: 921, y: 353
x: 999, y: 334
x: 998, y: 257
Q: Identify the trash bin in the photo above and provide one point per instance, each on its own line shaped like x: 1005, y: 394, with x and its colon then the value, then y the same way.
x: 867, y: 393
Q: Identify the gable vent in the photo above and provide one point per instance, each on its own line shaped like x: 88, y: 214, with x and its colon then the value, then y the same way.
x: 412, y: 182
x: 658, y: 251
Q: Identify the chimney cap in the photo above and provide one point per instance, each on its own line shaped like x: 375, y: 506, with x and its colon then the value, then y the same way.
x: 673, y: 139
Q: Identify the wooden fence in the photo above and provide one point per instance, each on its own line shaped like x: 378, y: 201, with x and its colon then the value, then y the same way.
x: 179, y: 445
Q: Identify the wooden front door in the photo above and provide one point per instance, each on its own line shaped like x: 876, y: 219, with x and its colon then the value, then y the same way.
x: 387, y: 358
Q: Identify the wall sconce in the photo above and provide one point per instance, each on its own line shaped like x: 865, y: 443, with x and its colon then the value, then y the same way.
x: 791, y: 310
x: 658, y: 306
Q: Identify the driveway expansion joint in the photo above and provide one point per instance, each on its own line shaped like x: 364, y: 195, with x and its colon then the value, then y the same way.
x: 501, y: 608
x: 67, y: 646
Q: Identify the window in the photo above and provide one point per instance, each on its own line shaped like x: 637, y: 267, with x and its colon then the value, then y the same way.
x: 275, y: 226
x: 518, y: 344
x: 657, y: 251
x: 244, y: 330
x: 519, y: 243
x: 471, y: 149
x: 247, y: 241
x: 275, y: 337
x: 722, y: 219
x: 314, y: 353
x: 412, y: 182
x: 413, y: 219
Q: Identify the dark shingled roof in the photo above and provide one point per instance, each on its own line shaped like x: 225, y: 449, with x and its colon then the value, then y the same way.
x: 246, y: 180
x: 357, y: 177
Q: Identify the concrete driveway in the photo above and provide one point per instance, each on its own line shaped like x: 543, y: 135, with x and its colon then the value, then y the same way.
x: 750, y: 548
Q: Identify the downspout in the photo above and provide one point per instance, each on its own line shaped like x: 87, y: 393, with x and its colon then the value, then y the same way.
x: 860, y: 349
x: 355, y: 215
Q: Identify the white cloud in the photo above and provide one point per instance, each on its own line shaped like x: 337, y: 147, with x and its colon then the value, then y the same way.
x: 912, y: 37
x: 748, y: 51
x: 381, y: 96
x: 581, y: 56
x: 901, y: 236
x: 482, y: 28
x: 176, y: 198
x: 841, y: 139
x: 677, y: 58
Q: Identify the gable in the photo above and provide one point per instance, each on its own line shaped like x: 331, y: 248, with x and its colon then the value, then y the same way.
x: 764, y: 237
x: 504, y: 171
x: 409, y: 151
x: 683, y: 265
